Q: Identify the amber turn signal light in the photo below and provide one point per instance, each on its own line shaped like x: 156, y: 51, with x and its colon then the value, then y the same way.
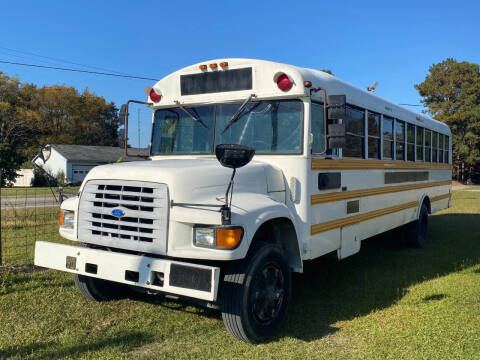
x: 229, y: 238
x: 60, y: 221
x: 203, y: 67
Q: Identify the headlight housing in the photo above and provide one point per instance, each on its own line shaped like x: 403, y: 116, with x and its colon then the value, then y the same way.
x: 67, y: 219
x: 218, y: 237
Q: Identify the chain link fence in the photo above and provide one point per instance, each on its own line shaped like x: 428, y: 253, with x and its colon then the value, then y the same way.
x: 27, y: 215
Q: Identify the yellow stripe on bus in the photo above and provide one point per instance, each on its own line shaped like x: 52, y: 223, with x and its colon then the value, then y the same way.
x: 344, y: 195
x: 441, y: 197
x: 361, y: 164
x: 351, y: 220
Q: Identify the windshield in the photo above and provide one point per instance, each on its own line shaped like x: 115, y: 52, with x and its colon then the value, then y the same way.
x: 267, y: 126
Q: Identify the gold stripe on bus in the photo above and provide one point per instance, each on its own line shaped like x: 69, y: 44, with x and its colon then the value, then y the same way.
x: 351, y: 220
x: 441, y: 197
x: 361, y: 164
x: 344, y: 195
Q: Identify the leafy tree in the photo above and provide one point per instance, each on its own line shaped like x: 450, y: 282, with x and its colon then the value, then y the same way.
x: 31, y: 117
x: 327, y: 71
x: 451, y: 92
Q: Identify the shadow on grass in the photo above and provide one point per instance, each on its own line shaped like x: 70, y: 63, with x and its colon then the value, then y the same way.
x: 56, y: 350
x: 330, y: 291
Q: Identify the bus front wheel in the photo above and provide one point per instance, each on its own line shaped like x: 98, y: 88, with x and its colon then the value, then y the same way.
x: 255, y: 294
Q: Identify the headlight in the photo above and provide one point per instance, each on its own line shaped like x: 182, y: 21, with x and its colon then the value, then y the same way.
x: 67, y: 219
x: 220, y: 238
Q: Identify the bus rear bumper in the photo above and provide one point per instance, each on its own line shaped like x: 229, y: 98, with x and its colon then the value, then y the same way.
x: 159, y: 275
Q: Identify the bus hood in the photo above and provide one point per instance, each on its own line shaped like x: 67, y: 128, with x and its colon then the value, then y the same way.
x: 195, y: 180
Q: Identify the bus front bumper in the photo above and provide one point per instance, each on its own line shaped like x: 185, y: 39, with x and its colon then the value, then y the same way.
x: 159, y: 275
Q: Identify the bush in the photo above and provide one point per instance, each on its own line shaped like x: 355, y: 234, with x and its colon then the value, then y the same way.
x: 41, y: 179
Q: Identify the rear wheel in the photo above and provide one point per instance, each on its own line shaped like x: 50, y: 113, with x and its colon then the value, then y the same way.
x: 255, y: 294
x: 98, y: 289
x: 416, y: 234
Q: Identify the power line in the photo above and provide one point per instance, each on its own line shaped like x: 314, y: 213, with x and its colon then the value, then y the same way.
x: 60, y: 60
x: 411, y: 104
x: 77, y: 70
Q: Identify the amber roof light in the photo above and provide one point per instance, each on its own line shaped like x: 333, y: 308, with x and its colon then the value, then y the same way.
x: 213, y: 66
x: 203, y: 67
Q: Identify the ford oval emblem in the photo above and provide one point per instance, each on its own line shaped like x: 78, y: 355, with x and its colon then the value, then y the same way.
x: 118, y: 212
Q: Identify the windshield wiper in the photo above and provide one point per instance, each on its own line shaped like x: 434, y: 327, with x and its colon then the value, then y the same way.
x: 238, y: 112
x: 190, y: 114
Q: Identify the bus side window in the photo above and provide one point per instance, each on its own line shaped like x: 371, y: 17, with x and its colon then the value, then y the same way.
x: 420, y: 152
x: 318, y: 130
x: 355, y: 132
x: 410, y: 142
x: 428, y: 143
x: 400, y: 139
x: 373, y: 136
x: 387, y: 130
x: 434, y: 146
x: 447, y: 149
x: 440, y: 148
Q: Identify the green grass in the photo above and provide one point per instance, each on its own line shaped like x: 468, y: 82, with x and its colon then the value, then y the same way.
x: 22, y: 227
x: 384, y: 303
x: 23, y: 191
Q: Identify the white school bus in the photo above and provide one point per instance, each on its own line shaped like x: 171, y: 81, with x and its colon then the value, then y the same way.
x: 254, y: 168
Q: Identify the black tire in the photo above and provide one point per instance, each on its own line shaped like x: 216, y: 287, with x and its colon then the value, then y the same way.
x: 255, y: 294
x: 417, y: 231
x: 98, y: 289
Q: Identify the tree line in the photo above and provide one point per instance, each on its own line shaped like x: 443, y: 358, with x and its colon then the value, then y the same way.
x: 31, y: 117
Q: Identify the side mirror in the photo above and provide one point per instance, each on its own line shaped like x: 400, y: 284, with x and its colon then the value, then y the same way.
x: 336, y: 136
x: 336, y: 107
x: 234, y: 156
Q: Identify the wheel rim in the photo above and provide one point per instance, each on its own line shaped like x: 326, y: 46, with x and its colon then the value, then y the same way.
x: 268, y: 293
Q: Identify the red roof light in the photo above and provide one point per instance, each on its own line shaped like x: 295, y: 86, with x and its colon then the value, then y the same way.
x: 154, y: 96
x: 284, y: 83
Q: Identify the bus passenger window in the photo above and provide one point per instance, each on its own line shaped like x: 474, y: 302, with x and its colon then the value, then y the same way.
x: 447, y: 149
x: 373, y: 135
x: 419, y: 143
x: 355, y: 130
x: 318, y: 130
x: 428, y: 143
x: 400, y: 139
x: 434, y: 146
x: 440, y: 148
x: 387, y: 130
x: 410, y: 142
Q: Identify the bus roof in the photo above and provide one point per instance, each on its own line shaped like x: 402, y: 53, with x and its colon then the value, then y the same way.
x: 264, y: 86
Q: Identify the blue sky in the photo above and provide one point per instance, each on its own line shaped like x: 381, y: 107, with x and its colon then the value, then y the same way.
x: 392, y: 42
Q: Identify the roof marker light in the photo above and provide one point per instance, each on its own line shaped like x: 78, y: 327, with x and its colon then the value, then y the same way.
x: 154, y: 96
x: 213, y: 66
x: 203, y: 67
x: 223, y: 64
x: 284, y: 83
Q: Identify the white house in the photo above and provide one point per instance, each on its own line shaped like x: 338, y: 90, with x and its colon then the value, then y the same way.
x: 24, y: 178
x: 75, y: 161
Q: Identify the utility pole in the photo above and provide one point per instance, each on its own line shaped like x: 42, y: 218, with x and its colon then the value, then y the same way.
x: 138, y: 122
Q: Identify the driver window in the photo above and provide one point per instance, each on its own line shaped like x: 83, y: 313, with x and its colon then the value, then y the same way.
x: 318, y: 128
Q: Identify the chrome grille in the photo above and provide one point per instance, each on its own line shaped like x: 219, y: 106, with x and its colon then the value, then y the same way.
x: 143, y: 225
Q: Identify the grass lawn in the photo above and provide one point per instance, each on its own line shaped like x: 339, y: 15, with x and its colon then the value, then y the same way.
x: 21, y: 227
x: 384, y: 303
x: 23, y: 191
